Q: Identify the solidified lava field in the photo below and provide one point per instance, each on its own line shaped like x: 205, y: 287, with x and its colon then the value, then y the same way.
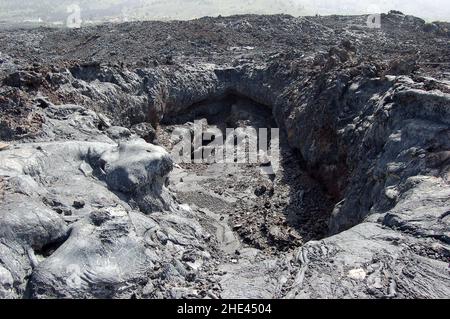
x: 93, y: 204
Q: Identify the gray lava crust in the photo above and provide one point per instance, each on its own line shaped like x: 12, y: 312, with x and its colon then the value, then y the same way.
x: 93, y: 206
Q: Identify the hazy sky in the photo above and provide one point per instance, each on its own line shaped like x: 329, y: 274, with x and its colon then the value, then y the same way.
x: 50, y: 10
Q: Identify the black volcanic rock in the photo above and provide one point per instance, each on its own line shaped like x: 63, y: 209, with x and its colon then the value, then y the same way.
x: 359, y: 208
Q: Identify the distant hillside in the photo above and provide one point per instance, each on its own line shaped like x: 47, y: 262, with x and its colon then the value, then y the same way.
x: 126, y: 10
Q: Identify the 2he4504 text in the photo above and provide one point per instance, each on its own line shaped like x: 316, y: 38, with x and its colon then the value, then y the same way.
x: 226, y: 308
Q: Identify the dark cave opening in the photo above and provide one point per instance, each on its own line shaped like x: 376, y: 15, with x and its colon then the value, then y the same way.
x: 290, y: 207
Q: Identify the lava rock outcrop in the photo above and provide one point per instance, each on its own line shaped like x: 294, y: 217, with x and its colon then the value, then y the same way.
x: 365, y: 114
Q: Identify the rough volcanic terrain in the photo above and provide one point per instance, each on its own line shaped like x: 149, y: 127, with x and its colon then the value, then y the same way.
x: 92, y: 204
